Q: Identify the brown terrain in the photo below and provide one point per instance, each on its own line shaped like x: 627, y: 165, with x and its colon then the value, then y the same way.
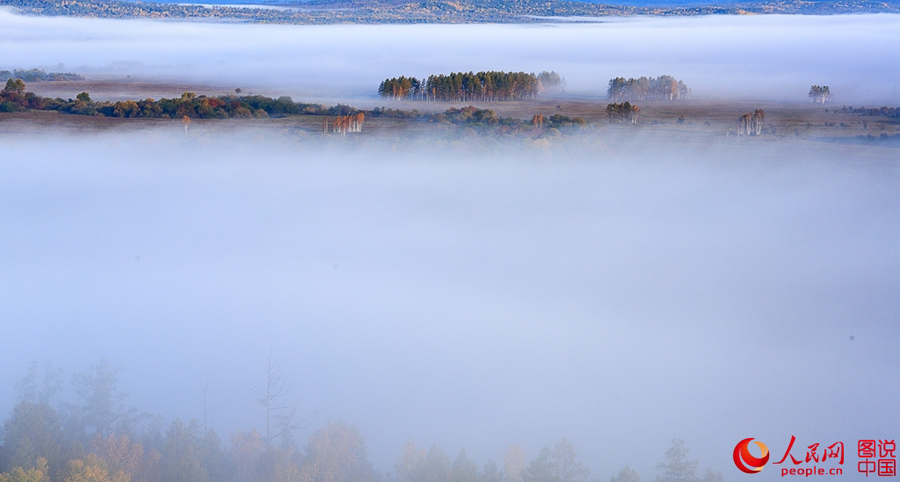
x: 687, y: 122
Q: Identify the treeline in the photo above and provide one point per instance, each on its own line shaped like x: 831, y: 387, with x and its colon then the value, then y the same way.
x: 471, y: 87
x: 664, y: 87
x: 486, y: 120
x: 473, y: 116
x: 877, y: 111
x: 98, y: 438
x: 14, y: 98
x: 38, y: 75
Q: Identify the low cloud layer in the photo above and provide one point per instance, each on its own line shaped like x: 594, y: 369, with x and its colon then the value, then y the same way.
x: 617, y: 298
x: 468, y: 294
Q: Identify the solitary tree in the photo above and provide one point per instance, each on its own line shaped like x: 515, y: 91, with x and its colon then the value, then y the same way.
x: 280, y: 410
x: 102, y: 411
x: 463, y: 469
x: 677, y: 467
x: 14, y: 86
x: 513, y: 463
x: 491, y: 473
x: 627, y: 474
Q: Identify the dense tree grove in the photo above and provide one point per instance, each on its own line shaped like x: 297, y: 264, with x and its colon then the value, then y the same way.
x: 473, y: 117
x: 623, y: 113
x: 819, y: 94
x: 99, y: 438
x: 664, y: 87
x: 470, y: 87
x: 876, y: 111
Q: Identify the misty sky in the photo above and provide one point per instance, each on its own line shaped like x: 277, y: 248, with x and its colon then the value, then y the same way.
x: 749, y: 57
x: 468, y: 297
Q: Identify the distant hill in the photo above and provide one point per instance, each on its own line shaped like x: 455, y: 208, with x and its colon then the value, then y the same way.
x: 434, y: 11
x: 757, y: 5
x: 796, y: 5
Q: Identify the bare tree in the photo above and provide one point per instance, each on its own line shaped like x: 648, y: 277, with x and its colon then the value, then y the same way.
x: 281, y: 410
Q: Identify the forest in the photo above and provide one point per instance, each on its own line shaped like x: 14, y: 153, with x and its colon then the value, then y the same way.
x: 468, y: 87
x: 98, y: 437
x: 664, y: 87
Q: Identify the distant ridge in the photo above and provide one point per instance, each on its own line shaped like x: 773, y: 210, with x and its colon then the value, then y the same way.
x: 433, y: 11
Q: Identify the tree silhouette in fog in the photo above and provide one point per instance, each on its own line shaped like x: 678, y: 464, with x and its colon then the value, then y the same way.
x: 559, y: 464
x: 99, y: 440
x: 676, y: 467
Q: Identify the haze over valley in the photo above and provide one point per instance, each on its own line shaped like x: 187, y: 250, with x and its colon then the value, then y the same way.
x: 467, y: 286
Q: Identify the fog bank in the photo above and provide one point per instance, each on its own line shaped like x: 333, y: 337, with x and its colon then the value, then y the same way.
x: 614, y: 298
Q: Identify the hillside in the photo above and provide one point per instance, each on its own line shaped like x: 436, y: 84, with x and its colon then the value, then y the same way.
x: 428, y: 11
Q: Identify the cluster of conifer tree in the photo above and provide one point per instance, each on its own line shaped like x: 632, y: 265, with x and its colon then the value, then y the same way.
x: 98, y: 438
x: 471, y: 87
x: 664, y: 87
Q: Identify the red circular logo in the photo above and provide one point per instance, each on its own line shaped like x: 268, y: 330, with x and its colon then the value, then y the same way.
x: 747, y: 462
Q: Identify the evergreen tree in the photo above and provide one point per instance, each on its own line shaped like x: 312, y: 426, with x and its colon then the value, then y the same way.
x: 677, y: 467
